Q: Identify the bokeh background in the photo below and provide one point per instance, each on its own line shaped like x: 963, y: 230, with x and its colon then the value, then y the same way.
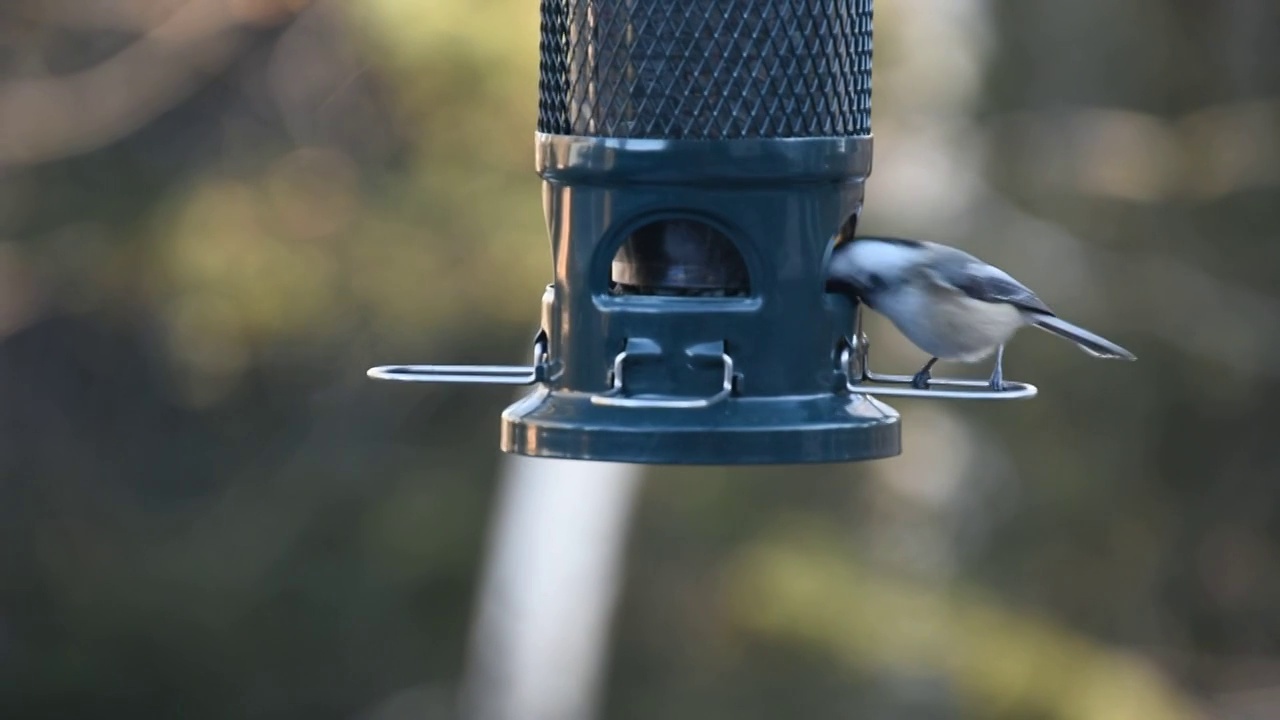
x: 215, y: 214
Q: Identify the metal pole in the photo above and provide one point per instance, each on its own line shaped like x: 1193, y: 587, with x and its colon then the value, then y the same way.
x: 546, y: 599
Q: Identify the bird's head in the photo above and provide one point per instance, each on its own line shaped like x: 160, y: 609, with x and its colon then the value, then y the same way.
x: 864, y: 267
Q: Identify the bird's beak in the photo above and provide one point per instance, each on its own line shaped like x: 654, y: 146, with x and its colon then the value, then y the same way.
x: 847, y: 288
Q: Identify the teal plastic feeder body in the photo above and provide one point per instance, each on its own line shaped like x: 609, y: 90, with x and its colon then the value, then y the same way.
x: 695, y: 172
x: 667, y: 400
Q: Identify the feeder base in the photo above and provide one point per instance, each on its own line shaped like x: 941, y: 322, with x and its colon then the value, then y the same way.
x: 736, y: 431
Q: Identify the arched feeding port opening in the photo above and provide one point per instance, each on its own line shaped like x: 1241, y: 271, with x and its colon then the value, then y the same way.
x: 679, y: 257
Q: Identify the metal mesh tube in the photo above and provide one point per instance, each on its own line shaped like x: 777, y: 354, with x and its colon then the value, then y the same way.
x: 705, y: 69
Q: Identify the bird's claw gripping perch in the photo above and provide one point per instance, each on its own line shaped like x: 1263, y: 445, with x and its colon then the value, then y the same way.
x: 997, y: 373
x: 920, y: 380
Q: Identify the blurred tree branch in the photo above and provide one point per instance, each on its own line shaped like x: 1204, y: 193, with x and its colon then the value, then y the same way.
x: 181, y: 45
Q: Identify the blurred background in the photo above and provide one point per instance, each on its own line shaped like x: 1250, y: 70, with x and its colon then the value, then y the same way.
x: 215, y: 214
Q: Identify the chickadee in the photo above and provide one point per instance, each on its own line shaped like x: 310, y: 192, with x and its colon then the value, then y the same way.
x: 949, y: 303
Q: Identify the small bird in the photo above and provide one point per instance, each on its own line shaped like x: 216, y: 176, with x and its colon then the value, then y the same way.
x: 949, y: 303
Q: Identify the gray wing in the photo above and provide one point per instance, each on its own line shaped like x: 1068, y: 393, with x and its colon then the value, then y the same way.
x: 982, y: 281
x: 1008, y: 290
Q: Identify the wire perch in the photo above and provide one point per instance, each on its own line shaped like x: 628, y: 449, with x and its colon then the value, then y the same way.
x: 482, y: 374
x: 861, y: 379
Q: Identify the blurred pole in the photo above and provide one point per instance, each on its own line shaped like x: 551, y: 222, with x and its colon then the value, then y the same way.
x: 547, y: 596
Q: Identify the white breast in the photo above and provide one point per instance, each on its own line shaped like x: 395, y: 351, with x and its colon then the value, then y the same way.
x: 948, y: 324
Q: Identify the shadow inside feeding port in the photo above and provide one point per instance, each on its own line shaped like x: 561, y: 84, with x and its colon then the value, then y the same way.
x: 679, y: 258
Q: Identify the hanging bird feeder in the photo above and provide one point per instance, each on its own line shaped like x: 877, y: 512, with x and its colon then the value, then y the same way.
x: 697, y: 159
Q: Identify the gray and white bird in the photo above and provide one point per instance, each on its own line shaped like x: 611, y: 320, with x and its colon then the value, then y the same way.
x: 949, y: 303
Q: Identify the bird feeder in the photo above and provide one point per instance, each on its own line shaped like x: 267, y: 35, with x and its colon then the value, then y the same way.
x: 698, y: 158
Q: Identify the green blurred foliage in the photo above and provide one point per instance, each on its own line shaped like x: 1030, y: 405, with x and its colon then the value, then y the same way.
x: 215, y: 214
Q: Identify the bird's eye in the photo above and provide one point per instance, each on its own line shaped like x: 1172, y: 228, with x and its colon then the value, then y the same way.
x: 874, y: 281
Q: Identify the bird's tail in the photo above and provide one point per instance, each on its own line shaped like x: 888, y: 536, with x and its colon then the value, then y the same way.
x: 1095, y: 345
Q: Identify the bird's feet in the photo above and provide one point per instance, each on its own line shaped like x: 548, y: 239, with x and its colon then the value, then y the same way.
x: 920, y: 380
x: 997, y: 375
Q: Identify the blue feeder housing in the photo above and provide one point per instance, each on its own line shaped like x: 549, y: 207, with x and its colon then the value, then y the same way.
x: 698, y: 160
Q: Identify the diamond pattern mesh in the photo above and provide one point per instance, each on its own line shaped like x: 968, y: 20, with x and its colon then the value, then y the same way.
x: 705, y: 69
